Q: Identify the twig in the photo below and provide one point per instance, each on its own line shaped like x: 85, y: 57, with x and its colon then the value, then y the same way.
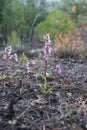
x: 23, y: 112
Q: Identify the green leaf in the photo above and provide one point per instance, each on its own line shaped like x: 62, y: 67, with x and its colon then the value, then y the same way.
x: 23, y: 58
x: 49, y: 90
x: 10, y: 76
x: 73, y: 112
x: 3, y: 77
x: 22, y: 91
x: 43, y: 77
x: 44, y: 89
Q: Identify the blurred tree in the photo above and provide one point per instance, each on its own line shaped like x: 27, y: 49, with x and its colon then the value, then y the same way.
x: 55, y: 22
x: 36, y: 11
x: 2, y: 22
x: 13, y: 17
x: 75, y: 9
x: 21, y: 17
x: 1, y: 8
x: 19, y: 24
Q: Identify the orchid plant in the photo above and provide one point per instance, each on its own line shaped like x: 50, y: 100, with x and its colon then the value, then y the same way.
x: 28, y: 63
x: 8, y: 54
x: 47, y: 51
x: 43, y: 87
x: 28, y: 66
x: 57, y: 71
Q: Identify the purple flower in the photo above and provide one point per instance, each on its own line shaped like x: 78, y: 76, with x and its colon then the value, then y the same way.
x: 15, y: 57
x: 10, y: 57
x: 28, y: 68
x: 7, y: 54
x: 47, y: 38
x: 47, y: 50
x: 32, y: 62
x: 45, y: 54
x: 29, y: 64
x: 57, y: 70
x: 47, y: 47
x: 8, y: 49
x: 47, y: 43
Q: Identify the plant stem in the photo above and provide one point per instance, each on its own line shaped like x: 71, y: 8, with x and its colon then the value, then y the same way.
x: 45, y: 83
x: 45, y: 68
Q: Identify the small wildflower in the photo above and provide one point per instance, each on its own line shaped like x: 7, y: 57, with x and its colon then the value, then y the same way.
x: 7, y: 54
x: 47, y: 38
x: 15, y: 57
x: 47, y: 49
x: 45, y: 54
x: 10, y: 57
x: 32, y: 62
x: 0, y: 75
x: 28, y: 67
x: 29, y: 64
x: 57, y: 70
x: 8, y: 49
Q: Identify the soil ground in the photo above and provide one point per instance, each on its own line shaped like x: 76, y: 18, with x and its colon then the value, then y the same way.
x: 23, y: 106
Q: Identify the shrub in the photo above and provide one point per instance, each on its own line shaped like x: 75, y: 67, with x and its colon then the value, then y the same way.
x: 69, y: 44
x: 23, y: 58
x: 13, y: 39
x: 75, y: 9
x: 84, y: 56
x: 56, y: 22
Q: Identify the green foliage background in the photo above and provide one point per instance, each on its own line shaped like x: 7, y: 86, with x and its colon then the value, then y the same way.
x: 19, y: 16
x: 56, y: 22
x: 81, y: 6
x: 16, y: 16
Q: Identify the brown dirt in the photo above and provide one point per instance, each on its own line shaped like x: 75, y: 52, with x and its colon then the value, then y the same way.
x: 65, y: 108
